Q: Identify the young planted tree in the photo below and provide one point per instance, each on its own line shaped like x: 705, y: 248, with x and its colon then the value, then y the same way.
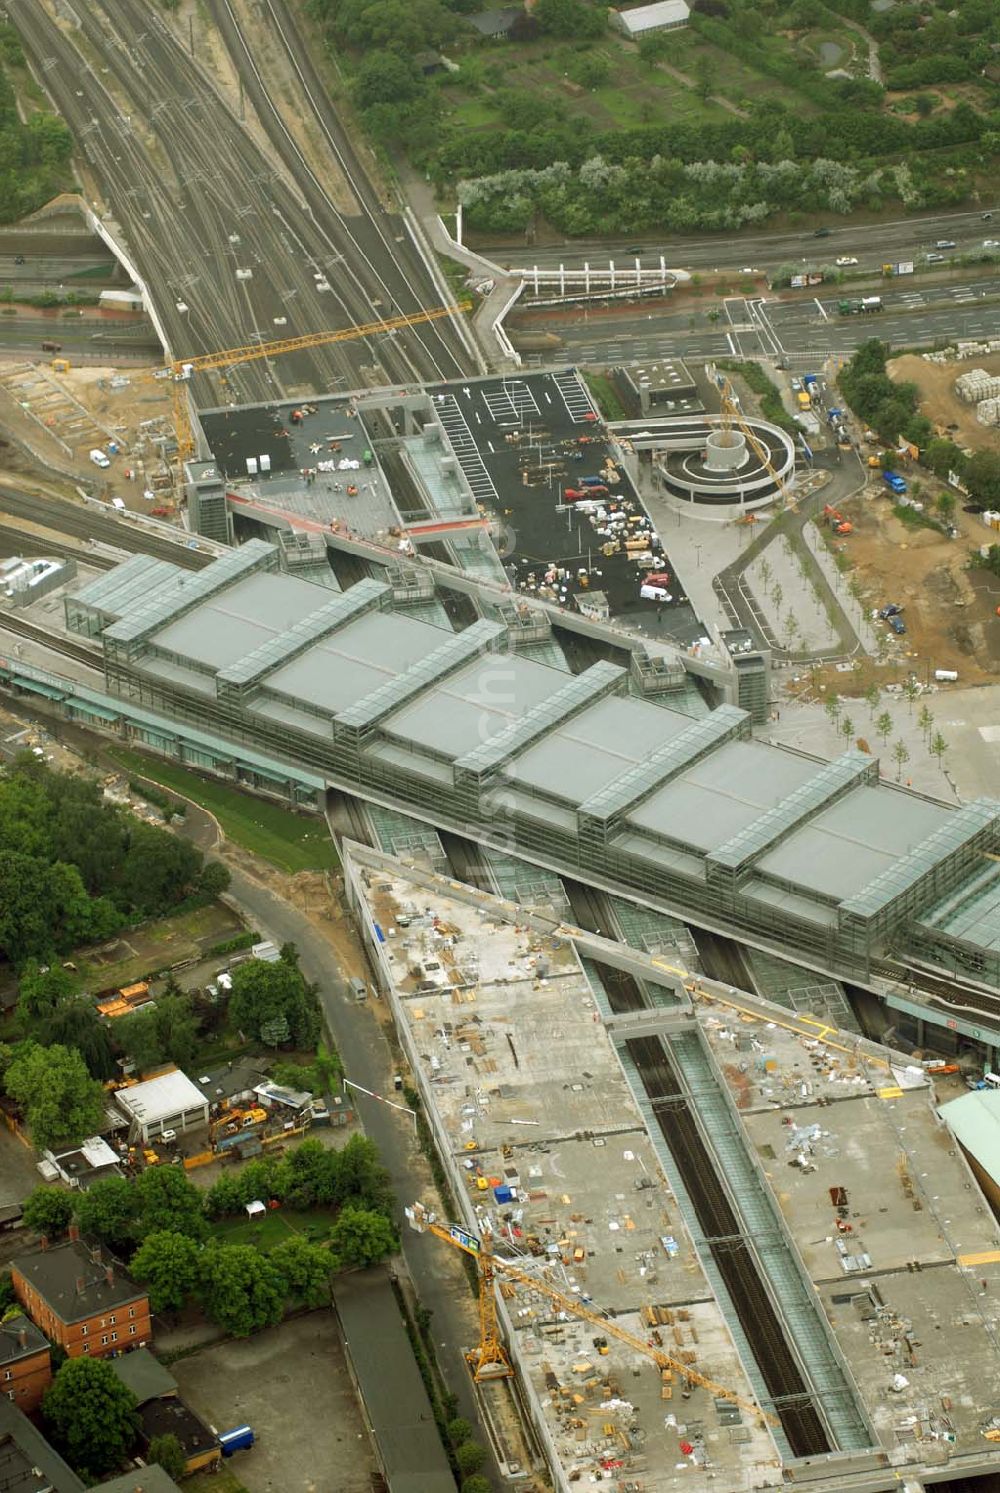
x: 901, y: 755
x: 911, y: 690
x: 925, y: 721
x: 938, y: 748
x: 883, y: 725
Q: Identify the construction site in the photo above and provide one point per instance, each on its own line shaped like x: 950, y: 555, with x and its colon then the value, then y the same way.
x: 700, y: 1224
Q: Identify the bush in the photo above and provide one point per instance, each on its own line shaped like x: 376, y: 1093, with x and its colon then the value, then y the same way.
x: 469, y: 1457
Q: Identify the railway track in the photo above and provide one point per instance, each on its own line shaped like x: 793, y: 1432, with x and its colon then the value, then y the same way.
x: 77, y: 649
x: 730, y: 1249
x: 14, y: 541
x: 86, y: 523
x: 719, y: 1224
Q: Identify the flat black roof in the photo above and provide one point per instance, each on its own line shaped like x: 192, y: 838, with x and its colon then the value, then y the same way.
x: 171, y: 1417
x: 537, y: 435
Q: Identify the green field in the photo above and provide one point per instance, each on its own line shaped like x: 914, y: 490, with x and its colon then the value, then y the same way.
x: 222, y: 1481
x: 293, y: 842
x: 275, y: 1226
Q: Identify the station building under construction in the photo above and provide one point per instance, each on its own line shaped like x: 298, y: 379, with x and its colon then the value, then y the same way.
x: 582, y: 773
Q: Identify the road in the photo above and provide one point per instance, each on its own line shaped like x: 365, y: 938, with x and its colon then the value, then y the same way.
x: 234, y: 250
x: 873, y: 244
x: 82, y: 339
x: 755, y: 327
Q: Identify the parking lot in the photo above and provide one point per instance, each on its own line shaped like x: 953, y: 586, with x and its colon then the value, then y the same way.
x: 292, y: 1386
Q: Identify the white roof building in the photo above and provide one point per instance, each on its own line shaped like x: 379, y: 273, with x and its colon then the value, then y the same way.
x: 663, y: 16
x: 169, y: 1102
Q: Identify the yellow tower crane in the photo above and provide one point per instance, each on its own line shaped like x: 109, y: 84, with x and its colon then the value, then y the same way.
x: 180, y: 370
x: 489, y: 1358
x: 731, y: 411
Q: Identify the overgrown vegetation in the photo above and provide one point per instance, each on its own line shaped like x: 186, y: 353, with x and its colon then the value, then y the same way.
x: 35, y: 151
x: 892, y: 411
x: 74, y: 869
x: 540, y: 126
x: 768, y: 394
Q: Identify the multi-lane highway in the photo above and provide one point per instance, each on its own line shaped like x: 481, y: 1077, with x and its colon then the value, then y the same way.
x: 916, y: 316
x: 234, y: 248
x: 872, y: 244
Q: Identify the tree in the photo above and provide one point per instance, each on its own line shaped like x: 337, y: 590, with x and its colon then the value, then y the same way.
x: 361, y: 1177
x: 476, y: 1484
x: 569, y: 18
x: 925, y: 720
x: 167, y: 1262
x: 158, y: 870
x: 168, y: 1453
x: 362, y: 1237
x: 460, y: 1430
x: 847, y: 728
x: 901, y: 755
x: 274, y: 993
x: 91, y: 1416
x: 304, y: 1270
x: 470, y: 1456
x: 883, y: 725
x: 60, y: 1101
x: 40, y: 990
x: 938, y: 748
x: 109, y: 1210
x: 240, y: 1289
x: 43, y: 907
x: 832, y: 708
x: 167, y: 1199
x: 911, y: 690
x: 982, y: 478
x: 872, y: 698
x: 167, y: 1033
x: 48, y: 1211
x: 945, y: 505
x: 75, y: 1024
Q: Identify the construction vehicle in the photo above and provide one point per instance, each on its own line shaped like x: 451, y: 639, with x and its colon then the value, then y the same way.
x: 235, y: 1121
x: 838, y: 523
x: 181, y: 370
x: 489, y: 1359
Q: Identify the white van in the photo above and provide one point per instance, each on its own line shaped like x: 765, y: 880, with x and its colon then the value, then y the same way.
x: 99, y: 459
x: 119, y: 504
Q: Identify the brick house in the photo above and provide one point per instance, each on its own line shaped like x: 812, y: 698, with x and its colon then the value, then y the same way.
x: 25, y: 1363
x: 80, y: 1300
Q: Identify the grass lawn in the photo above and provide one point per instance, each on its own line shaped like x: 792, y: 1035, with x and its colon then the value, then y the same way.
x: 275, y: 1226
x: 295, y: 842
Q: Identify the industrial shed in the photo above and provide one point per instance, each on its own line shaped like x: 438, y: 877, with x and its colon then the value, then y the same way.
x: 169, y: 1102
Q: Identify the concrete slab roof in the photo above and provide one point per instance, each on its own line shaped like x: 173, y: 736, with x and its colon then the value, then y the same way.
x: 352, y: 662
x: 466, y: 709
x: 974, y: 1121
x: 853, y: 841
x: 722, y: 793
x: 237, y: 620
x: 576, y: 760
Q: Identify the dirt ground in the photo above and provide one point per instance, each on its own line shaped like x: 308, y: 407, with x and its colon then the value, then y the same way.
x: 940, y: 403
x: 292, y: 1386
x: 950, y: 617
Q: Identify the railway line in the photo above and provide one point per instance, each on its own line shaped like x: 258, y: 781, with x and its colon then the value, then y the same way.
x: 14, y: 541
x: 716, y: 1218
x: 226, y: 252
x: 77, y: 649
x: 86, y: 523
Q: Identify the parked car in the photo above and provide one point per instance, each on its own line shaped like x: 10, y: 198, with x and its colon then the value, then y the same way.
x: 898, y: 626
x: 891, y: 610
x: 844, y: 260
x: 821, y: 233
x: 991, y: 243
x: 935, y: 259
x: 945, y: 243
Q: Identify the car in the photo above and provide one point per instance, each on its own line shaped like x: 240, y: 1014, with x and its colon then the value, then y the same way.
x: 945, y: 243
x: 821, y: 232
x: 893, y: 609
x: 991, y: 243
x: 898, y: 626
x: 935, y: 259
x: 18, y: 258
x: 635, y: 249
x: 986, y: 217
x: 796, y: 385
x: 846, y: 259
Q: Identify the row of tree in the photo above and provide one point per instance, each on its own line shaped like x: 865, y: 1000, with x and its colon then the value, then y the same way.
x: 75, y: 869
x: 124, y: 1212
